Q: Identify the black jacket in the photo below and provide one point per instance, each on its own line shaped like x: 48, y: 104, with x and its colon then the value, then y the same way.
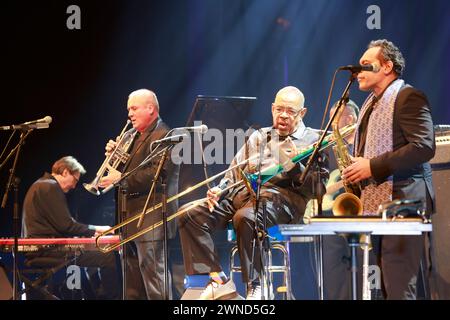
x: 413, y: 146
x: 46, y: 213
x: 138, y: 184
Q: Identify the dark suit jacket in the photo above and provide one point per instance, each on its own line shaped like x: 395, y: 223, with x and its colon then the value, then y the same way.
x: 413, y: 147
x: 46, y: 213
x: 138, y: 184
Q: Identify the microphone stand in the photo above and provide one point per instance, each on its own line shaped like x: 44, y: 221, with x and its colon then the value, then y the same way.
x: 142, y: 164
x: 158, y: 174
x: 122, y: 209
x: 258, y: 233
x: 14, y: 182
x: 166, y: 292
x: 311, y: 160
x: 318, y: 194
x: 152, y: 188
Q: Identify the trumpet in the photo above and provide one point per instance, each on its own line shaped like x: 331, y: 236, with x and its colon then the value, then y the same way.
x: 247, y: 180
x: 116, y: 157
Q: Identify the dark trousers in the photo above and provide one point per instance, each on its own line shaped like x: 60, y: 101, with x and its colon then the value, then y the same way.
x: 197, y: 225
x: 108, y: 272
x: 145, y: 271
x: 336, y: 268
x: 398, y: 257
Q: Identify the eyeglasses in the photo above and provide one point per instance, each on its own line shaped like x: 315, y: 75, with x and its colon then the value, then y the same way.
x: 74, y: 177
x: 289, y: 111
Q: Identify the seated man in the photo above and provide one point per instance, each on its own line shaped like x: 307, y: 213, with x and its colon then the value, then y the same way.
x: 46, y: 215
x: 285, y: 199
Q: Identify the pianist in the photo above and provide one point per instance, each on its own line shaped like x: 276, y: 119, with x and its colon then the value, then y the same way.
x: 46, y: 215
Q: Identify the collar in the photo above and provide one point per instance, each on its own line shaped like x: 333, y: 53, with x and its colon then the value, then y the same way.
x: 300, y: 131
x: 297, y: 134
x: 376, y: 99
x: 49, y: 176
x: 382, y: 93
x: 151, y: 127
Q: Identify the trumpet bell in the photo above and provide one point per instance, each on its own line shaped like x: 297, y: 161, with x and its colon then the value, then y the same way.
x: 91, y: 188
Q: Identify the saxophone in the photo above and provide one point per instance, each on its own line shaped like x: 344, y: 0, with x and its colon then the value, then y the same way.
x: 347, y: 203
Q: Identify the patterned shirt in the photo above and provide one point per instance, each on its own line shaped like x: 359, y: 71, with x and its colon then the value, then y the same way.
x: 276, y: 150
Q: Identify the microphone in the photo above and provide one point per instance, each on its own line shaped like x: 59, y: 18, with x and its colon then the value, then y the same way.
x: 171, y: 140
x: 358, y: 68
x: 35, y: 124
x: 202, y: 129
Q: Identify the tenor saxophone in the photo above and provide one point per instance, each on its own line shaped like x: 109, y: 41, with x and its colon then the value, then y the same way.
x: 347, y: 203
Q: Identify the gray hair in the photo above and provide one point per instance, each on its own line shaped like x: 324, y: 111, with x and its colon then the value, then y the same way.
x: 390, y: 52
x: 69, y: 163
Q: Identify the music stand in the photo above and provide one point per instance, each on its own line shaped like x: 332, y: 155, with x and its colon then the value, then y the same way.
x: 221, y: 113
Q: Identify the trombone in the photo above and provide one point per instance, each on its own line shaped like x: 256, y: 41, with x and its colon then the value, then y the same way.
x: 247, y: 179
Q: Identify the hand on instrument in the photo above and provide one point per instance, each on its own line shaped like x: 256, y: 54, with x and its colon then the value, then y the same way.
x: 286, y: 151
x: 357, y: 171
x: 110, y: 146
x: 100, y: 229
x: 112, y: 177
x: 213, y: 195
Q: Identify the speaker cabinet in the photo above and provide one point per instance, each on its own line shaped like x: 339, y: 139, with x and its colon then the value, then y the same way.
x: 440, y: 237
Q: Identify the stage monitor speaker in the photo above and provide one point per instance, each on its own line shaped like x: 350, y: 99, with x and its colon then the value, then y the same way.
x: 440, y: 244
x: 5, y: 286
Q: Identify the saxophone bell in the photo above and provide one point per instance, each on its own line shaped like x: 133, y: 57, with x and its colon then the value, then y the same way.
x: 347, y: 204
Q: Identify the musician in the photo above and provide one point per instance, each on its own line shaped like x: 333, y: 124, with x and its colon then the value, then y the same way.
x: 285, y: 199
x: 394, y: 142
x: 145, y: 256
x: 46, y: 214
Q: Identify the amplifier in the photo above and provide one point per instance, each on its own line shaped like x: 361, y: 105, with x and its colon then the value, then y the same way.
x: 442, y: 138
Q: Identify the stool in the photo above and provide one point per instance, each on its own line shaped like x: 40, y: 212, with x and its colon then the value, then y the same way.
x: 45, y: 267
x: 285, y: 268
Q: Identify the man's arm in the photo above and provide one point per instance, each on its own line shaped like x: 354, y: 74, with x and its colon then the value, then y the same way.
x: 56, y: 211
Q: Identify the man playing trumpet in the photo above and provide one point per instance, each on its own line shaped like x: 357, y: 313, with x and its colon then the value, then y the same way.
x: 145, y: 256
x: 283, y: 195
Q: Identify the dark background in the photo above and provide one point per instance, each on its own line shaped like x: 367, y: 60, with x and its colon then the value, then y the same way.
x: 181, y: 49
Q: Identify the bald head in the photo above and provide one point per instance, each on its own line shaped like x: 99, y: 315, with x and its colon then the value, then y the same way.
x: 143, y: 108
x: 144, y: 96
x: 288, y: 110
x: 290, y: 97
